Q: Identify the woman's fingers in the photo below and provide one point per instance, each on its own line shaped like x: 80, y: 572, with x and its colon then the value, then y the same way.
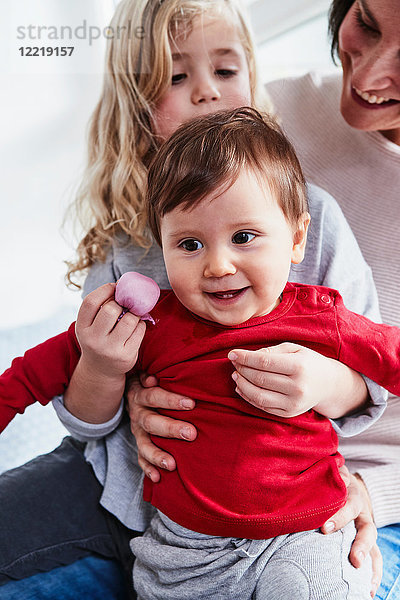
x: 145, y: 421
x: 358, y: 508
x: 377, y: 569
x: 150, y: 456
x: 353, y: 507
x: 364, y: 542
x: 155, y: 397
x: 148, y: 469
x: 156, y: 424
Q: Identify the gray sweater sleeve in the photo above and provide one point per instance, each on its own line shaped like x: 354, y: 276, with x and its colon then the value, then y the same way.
x: 333, y: 258
x: 123, y: 257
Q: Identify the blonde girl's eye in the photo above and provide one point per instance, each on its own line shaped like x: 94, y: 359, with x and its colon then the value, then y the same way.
x: 191, y: 245
x: 243, y: 237
x: 225, y: 73
x: 178, y: 78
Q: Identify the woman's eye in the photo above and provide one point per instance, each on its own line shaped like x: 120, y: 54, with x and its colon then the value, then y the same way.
x: 178, y: 78
x: 243, y: 237
x: 363, y: 25
x: 191, y: 245
x: 225, y: 73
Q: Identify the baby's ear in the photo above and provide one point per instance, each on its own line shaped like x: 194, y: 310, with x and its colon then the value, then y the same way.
x: 300, y: 238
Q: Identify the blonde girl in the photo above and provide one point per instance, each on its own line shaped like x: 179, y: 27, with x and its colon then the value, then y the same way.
x: 79, y: 506
x: 122, y: 137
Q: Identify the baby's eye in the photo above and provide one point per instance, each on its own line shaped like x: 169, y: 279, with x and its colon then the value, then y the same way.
x: 178, y: 77
x: 225, y: 73
x: 243, y: 237
x: 191, y: 245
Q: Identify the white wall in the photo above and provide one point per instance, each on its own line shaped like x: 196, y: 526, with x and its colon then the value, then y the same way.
x: 45, y: 105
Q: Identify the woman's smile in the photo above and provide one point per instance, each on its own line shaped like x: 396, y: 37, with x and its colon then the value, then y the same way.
x: 372, y: 101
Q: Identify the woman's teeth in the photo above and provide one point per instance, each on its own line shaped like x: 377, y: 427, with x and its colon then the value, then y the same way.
x: 371, y: 98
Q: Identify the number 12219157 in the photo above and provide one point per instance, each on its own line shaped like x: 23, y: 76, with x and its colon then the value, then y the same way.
x: 46, y: 50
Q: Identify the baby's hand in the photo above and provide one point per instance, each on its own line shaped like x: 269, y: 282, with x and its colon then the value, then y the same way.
x: 109, y: 337
x: 288, y: 379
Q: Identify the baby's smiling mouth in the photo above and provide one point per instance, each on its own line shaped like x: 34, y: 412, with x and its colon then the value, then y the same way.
x: 227, y: 294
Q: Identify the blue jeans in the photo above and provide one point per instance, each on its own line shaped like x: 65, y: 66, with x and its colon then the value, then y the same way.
x: 389, y: 544
x: 92, y: 577
x: 56, y: 540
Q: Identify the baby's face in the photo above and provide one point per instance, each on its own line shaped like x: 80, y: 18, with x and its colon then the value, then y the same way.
x: 228, y: 259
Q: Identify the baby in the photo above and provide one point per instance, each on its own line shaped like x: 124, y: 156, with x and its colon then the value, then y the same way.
x: 238, y: 518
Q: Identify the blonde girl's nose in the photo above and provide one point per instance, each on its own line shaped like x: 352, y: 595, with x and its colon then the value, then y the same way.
x: 205, y: 90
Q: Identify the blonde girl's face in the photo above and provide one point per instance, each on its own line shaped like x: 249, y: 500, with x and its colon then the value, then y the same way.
x: 210, y: 73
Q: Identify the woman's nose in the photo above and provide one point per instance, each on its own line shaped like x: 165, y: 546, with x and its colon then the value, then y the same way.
x: 378, y: 69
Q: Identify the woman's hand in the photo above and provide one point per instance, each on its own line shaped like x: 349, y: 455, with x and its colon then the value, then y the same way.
x: 358, y: 508
x: 287, y: 380
x: 144, y: 397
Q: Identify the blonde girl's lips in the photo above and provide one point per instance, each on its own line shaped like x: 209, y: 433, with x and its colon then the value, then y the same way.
x: 371, y: 100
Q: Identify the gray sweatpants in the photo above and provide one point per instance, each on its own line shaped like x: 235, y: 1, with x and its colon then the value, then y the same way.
x: 174, y: 563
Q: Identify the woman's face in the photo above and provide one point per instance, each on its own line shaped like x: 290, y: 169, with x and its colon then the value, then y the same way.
x: 369, y: 49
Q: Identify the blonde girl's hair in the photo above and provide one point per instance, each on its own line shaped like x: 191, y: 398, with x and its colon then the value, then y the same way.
x: 121, y: 143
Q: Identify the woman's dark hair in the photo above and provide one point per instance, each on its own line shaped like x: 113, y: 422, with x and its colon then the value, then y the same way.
x: 337, y: 12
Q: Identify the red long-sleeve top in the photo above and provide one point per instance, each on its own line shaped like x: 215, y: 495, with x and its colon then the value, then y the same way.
x: 248, y: 473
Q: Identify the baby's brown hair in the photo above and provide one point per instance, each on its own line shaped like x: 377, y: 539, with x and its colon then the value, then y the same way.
x: 207, y: 154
